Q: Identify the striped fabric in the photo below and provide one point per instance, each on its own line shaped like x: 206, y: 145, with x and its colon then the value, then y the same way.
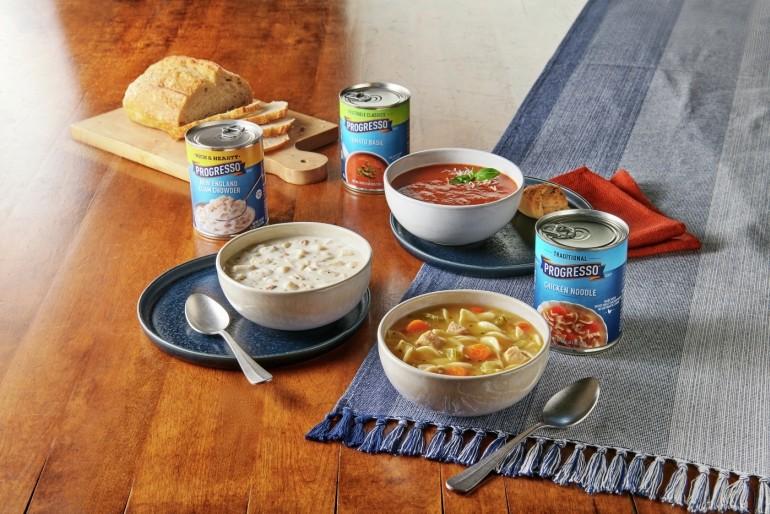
x: 678, y: 92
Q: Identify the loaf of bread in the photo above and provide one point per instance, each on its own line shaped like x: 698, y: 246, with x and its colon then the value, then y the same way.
x: 541, y: 199
x: 179, y: 90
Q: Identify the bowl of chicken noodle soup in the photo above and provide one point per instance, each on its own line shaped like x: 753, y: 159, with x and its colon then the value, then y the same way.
x: 463, y: 352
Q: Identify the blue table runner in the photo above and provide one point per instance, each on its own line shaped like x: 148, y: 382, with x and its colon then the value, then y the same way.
x: 677, y: 92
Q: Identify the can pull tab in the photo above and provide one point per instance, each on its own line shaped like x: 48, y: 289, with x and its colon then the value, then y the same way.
x: 232, y: 132
x: 360, y: 97
x: 558, y: 231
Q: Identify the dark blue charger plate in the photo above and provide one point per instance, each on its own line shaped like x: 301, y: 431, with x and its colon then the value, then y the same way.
x: 509, y: 252
x: 161, y: 314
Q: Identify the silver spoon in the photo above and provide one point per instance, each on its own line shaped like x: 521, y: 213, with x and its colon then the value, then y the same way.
x: 564, y: 409
x: 208, y: 317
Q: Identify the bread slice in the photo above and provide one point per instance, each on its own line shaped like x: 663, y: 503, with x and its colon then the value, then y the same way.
x: 541, y: 199
x: 235, y: 114
x: 270, y: 112
x: 277, y: 128
x: 178, y: 90
x: 274, y: 143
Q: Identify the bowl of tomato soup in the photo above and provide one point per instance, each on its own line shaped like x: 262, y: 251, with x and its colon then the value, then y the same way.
x: 453, y: 196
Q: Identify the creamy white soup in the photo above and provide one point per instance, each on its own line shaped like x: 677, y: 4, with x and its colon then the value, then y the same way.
x: 294, y: 264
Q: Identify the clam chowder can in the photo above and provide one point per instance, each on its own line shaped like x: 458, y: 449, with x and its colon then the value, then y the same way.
x: 374, y: 131
x: 580, y: 263
x: 227, y: 177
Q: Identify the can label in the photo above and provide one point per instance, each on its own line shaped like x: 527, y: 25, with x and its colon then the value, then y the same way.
x: 371, y: 139
x: 580, y: 294
x: 227, y: 188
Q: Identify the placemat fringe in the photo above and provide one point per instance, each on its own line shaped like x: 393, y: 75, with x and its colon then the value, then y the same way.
x: 391, y: 440
x: 613, y: 478
x: 511, y: 466
x: 738, y: 495
x: 698, y: 499
x: 763, y: 496
x: 470, y: 453
x: 719, y: 497
x: 595, y: 470
x: 413, y: 443
x: 452, y: 448
x: 634, y: 474
x: 532, y: 459
x: 567, y: 469
x: 677, y: 485
x: 342, y: 428
x: 436, y: 443
x: 373, y: 439
x: 551, y: 459
x: 358, y: 434
x: 494, y: 445
x: 652, y: 479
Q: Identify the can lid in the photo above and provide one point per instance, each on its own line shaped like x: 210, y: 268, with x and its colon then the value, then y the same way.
x: 373, y: 95
x: 582, y: 229
x: 225, y: 134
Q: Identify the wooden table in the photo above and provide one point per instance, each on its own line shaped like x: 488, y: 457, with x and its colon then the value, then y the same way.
x: 94, y: 418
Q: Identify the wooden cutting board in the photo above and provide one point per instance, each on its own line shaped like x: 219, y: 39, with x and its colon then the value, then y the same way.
x: 295, y: 163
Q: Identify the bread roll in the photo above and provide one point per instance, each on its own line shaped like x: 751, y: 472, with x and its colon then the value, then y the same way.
x: 541, y: 199
x: 179, y: 90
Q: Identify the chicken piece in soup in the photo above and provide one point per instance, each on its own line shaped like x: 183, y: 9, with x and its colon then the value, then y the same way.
x: 464, y: 340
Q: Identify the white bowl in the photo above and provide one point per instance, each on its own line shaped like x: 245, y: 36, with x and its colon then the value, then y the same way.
x: 295, y: 310
x: 463, y: 396
x: 452, y: 224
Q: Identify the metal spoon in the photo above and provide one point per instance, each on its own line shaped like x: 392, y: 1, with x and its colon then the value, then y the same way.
x: 245, y: 205
x: 564, y: 409
x: 208, y: 317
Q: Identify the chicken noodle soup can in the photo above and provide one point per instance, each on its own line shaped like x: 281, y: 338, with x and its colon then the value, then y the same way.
x: 374, y: 131
x: 580, y: 263
x: 227, y: 177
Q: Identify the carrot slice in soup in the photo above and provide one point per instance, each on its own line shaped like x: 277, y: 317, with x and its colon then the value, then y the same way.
x: 524, y: 326
x: 478, y: 352
x: 417, y: 325
x: 456, y: 371
x: 477, y: 309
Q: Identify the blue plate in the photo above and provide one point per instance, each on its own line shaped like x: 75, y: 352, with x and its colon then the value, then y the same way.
x: 508, y: 253
x: 161, y: 314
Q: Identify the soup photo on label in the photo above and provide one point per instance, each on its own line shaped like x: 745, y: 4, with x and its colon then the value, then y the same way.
x: 455, y: 184
x: 365, y: 170
x: 574, y: 326
x: 462, y: 340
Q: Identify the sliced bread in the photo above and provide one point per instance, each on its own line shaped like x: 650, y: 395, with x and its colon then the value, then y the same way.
x: 270, y: 112
x: 178, y: 90
x: 277, y: 128
x: 238, y: 113
x: 274, y: 143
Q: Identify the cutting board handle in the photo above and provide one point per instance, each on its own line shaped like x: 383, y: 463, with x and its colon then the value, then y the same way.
x: 297, y: 166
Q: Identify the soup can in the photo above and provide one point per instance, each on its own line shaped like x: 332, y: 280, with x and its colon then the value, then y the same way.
x: 580, y: 264
x: 227, y: 177
x: 374, y: 131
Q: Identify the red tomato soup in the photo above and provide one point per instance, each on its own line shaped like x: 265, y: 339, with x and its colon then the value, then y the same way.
x: 455, y: 184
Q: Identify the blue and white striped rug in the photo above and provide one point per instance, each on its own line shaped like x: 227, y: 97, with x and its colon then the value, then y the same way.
x: 678, y: 92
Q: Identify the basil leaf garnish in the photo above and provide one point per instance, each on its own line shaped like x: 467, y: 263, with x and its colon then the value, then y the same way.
x: 462, y: 179
x: 486, y: 174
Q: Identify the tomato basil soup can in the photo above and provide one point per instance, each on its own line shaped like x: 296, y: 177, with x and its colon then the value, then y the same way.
x: 580, y: 263
x: 374, y: 131
x: 227, y: 177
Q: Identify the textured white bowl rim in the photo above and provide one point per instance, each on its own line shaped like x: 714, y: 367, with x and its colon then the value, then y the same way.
x: 310, y: 225
x: 391, y: 355
x: 438, y: 151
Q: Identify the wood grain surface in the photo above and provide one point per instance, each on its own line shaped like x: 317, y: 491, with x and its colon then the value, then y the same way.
x: 94, y: 418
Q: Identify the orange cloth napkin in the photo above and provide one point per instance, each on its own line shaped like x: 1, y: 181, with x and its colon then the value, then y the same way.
x: 651, y: 231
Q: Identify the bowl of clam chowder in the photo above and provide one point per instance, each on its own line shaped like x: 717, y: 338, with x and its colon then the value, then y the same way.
x: 295, y: 276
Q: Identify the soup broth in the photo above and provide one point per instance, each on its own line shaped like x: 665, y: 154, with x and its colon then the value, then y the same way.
x: 455, y: 184
x: 464, y: 340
